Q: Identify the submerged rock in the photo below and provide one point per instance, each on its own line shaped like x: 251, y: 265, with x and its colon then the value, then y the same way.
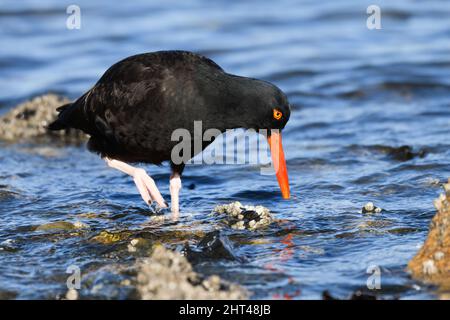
x: 214, y: 246
x: 61, y: 225
x: 169, y: 275
x: 243, y: 217
x: 107, y: 237
x: 432, y: 263
x: 402, y: 153
x: 30, y: 119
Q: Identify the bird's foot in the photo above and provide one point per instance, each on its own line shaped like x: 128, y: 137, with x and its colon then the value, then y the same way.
x: 147, y: 188
x: 157, y: 209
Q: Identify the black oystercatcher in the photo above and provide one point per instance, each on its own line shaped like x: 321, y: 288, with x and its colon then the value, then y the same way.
x: 132, y: 111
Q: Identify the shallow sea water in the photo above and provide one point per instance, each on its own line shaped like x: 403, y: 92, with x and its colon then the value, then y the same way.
x: 356, y: 94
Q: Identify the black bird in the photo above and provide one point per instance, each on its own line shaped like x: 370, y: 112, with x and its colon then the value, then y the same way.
x: 133, y: 110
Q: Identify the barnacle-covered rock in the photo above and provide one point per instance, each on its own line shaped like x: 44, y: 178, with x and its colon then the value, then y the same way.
x: 432, y: 263
x: 30, y: 120
x: 168, y: 275
x: 242, y: 217
x: 369, y: 207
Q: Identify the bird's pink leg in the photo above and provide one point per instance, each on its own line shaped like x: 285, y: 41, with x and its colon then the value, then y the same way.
x: 145, y: 184
x: 175, y: 187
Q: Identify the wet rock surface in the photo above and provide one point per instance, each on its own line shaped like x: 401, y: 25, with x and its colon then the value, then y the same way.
x: 214, y: 246
x: 61, y: 225
x: 432, y: 263
x: 109, y: 237
x: 241, y: 217
x: 28, y: 120
x: 169, y: 275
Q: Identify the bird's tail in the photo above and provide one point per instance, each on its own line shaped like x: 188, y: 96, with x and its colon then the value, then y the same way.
x: 59, y: 123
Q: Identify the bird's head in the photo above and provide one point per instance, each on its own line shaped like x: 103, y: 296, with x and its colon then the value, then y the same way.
x: 275, y: 108
x: 266, y: 107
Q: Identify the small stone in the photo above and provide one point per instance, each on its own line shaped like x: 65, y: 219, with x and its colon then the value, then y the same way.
x: 252, y: 223
x: 72, y: 294
x: 240, y: 217
x: 134, y: 242
x: 9, y: 245
x: 369, y: 206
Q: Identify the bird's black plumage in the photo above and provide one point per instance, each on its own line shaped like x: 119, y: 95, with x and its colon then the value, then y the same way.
x: 131, y: 112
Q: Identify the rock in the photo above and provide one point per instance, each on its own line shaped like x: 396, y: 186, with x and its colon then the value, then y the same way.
x: 60, y: 225
x: 432, y: 263
x: 370, y: 208
x: 138, y: 243
x: 242, y: 217
x: 7, y: 295
x: 169, y: 275
x: 107, y: 237
x: 80, y: 225
x: 402, y: 153
x: 9, y: 245
x: 29, y: 120
x: 213, y: 246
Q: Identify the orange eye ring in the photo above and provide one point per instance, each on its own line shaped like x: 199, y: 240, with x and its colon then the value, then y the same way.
x: 277, y: 114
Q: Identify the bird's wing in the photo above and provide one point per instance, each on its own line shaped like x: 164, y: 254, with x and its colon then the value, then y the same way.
x: 133, y: 90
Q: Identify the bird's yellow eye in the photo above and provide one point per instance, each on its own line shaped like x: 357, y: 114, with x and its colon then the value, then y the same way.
x: 277, y: 114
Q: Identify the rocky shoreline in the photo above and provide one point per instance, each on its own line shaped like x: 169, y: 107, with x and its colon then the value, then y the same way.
x: 431, y: 264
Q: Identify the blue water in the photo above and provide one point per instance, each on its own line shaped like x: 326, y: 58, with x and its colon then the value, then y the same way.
x: 355, y: 92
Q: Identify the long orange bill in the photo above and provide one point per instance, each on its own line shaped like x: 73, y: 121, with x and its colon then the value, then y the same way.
x: 279, y: 163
